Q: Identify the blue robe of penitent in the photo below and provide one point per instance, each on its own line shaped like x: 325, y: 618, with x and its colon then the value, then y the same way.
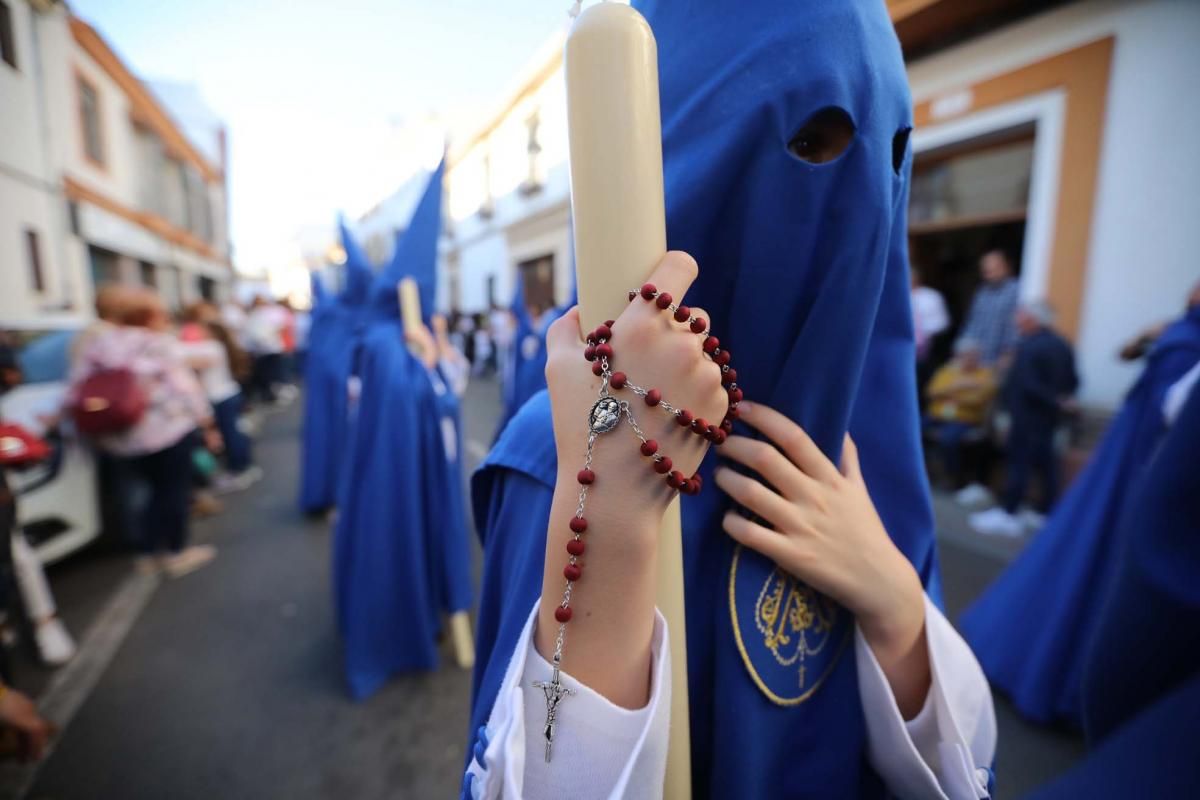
x: 804, y: 273
x: 332, y: 338
x: 1141, y: 687
x: 1030, y: 629
x: 400, y: 545
x: 525, y: 369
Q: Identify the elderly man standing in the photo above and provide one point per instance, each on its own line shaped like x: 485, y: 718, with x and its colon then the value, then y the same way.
x: 1040, y: 383
x: 990, y: 320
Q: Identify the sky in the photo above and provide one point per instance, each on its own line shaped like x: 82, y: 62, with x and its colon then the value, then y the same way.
x: 312, y: 93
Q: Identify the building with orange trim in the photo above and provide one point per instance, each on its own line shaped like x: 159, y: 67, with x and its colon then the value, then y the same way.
x: 100, y: 181
x: 1061, y: 132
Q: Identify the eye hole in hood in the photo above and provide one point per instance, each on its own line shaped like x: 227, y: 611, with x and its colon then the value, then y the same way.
x: 899, y: 148
x: 823, y: 137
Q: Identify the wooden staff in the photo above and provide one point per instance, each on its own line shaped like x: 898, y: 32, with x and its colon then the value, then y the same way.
x: 418, y: 336
x: 620, y: 236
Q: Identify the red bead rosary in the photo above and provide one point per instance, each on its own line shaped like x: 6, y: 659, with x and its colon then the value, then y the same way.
x: 605, y: 416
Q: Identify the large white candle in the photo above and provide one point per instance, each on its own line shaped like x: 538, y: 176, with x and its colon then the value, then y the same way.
x: 620, y: 235
x: 410, y: 315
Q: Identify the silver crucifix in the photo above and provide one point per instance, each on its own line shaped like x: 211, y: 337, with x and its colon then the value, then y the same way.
x: 554, y: 692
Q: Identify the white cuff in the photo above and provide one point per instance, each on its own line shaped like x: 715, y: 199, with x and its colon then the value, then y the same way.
x: 946, y: 751
x: 600, y: 750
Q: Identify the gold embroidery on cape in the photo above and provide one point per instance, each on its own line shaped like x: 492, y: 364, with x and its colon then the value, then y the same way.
x: 793, y: 622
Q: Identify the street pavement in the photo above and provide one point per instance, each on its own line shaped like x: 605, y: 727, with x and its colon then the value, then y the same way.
x: 227, y: 683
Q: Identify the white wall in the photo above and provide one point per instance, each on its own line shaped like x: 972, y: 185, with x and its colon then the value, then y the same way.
x: 1145, y: 233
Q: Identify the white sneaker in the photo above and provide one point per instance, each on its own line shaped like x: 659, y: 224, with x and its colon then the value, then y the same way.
x: 996, y: 522
x: 229, y: 482
x: 1032, y: 520
x: 973, y: 495
x: 189, y: 559
x: 54, y: 643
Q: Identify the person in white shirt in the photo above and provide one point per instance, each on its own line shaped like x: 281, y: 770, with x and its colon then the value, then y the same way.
x: 930, y: 318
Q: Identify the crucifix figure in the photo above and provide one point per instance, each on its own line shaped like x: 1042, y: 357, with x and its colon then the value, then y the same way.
x: 554, y: 692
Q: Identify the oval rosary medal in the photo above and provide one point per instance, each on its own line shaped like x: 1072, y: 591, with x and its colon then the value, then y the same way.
x: 605, y: 415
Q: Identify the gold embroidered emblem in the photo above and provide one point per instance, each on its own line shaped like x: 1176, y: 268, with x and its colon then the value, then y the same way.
x: 799, y: 631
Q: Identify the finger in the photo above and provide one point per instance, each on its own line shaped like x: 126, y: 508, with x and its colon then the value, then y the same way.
x: 563, y: 333
x: 850, y: 466
x: 755, y: 496
x: 674, y: 274
x: 757, y: 537
x: 765, y: 459
x: 790, y: 438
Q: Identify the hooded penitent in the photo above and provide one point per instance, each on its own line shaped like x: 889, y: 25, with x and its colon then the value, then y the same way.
x: 1141, y: 687
x: 327, y: 369
x: 400, y: 552
x: 525, y: 369
x: 803, y: 270
x: 1061, y: 576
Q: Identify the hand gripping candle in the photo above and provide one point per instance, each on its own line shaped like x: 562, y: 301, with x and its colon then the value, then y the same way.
x: 611, y: 66
x: 460, y: 623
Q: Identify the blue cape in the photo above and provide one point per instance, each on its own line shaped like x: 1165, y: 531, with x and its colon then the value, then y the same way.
x: 1141, y: 689
x: 400, y: 548
x: 331, y: 343
x: 803, y: 269
x: 1060, y: 578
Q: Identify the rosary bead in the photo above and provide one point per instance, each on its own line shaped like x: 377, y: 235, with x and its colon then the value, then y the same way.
x: 578, y: 524
x: 610, y: 322
x: 563, y: 613
x: 618, y: 380
x: 699, y: 325
x: 586, y: 477
x: 649, y: 447
x: 689, y: 488
x: 733, y: 412
x: 726, y: 427
x: 653, y: 397
x: 722, y: 358
x: 683, y: 417
x: 604, y: 350
x: 591, y: 338
x: 708, y: 432
x: 663, y: 465
x: 573, y: 572
x: 729, y: 376
x: 675, y: 480
x: 664, y: 300
x: 718, y: 435
x: 575, y: 547
x: 589, y: 352
x: 632, y: 295
x: 597, y: 368
x: 711, y: 344
x: 699, y: 425
x: 648, y: 291
x: 603, y: 332
x: 735, y: 395
x: 682, y: 313
x: 697, y: 479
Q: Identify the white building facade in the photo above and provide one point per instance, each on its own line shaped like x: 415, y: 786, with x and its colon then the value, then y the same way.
x: 98, y: 182
x: 1065, y: 138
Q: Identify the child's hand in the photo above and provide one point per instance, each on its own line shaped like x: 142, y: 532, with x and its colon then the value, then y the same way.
x: 826, y: 530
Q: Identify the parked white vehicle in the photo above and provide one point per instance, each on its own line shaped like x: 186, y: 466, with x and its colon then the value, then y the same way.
x: 61, y: 512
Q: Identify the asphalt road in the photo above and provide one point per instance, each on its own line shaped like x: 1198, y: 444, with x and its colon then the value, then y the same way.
x: 227, y: 683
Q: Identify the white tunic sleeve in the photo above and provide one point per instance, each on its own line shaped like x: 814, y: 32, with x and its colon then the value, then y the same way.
x: 600, y: 750
x: 946, y: 751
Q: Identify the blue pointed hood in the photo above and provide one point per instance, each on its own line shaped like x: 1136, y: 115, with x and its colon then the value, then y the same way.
x: 359, y: 274
x: 415, y: 254
x: 320, y: 295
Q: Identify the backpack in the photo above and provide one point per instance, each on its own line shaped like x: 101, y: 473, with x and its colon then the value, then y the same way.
x: 109, y: 401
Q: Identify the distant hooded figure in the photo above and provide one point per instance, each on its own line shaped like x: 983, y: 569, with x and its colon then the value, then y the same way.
x: 400, y: 545
x: 332, y: 337
x: 525, y: 369
x: 1059, y: 577
x: 785, y: 146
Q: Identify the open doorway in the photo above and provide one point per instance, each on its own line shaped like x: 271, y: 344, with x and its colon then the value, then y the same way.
x: 968, y: 198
